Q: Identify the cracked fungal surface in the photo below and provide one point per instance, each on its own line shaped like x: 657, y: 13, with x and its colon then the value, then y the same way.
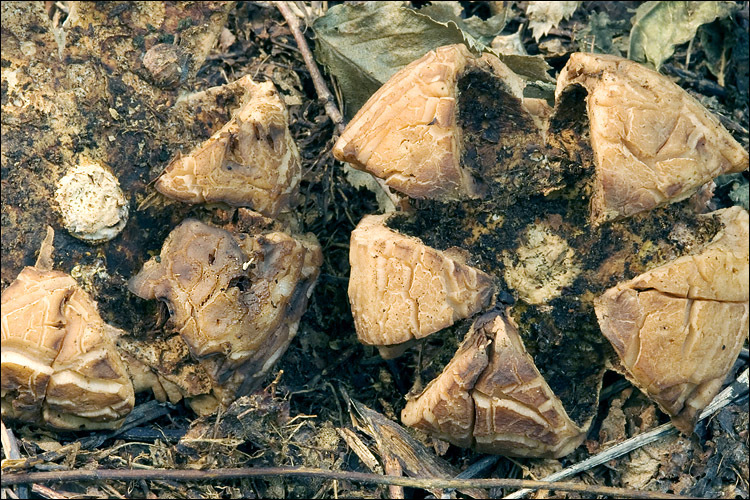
x: 252, y: 161
x: 653, y: 143
x: 492, y: 396
x: 235, y: 298
x: 535, y: 225
x: 667, y: 323
x: 59, y: 362
x: 401, y: 289
x: 406, y: 133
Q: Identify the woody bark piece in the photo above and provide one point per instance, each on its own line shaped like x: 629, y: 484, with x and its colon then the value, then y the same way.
x: 407, y: 132
x: 401, y: 289
x: 235, y: 298
x: 491, y: 396
x: 252, y: 161
x: 653, y: 143
x: 679, y: 327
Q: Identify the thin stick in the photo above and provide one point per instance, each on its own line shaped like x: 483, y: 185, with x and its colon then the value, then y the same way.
x: 45, y: 492
x: 359, y: 477
x: 10, y: 444
x: 737, y: 388
x: 320, y: 85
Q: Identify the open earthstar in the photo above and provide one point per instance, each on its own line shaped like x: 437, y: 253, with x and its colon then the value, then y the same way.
x: 555, y: 206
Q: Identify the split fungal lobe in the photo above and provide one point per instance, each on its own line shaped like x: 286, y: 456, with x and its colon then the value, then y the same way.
x: 555, y: 158
x: 235, y: 298
x: 406, y: 133
x: 400, y: 289
x: 250, y: 162
x: 59, y: 362
x: 491, y: 396
x: 679, y: 327
x: 652, y: 142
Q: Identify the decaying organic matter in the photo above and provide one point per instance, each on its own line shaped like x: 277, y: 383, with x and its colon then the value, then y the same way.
x: 251, y: 161
x: 678, y: 327
x: 235, y: 298
x: 59, y: 362
x: 550, y: 227
x: 167, y: 64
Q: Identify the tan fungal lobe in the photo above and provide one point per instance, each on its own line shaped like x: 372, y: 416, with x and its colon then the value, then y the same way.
x: 492, y: 396
x: 401, y: 289
x: 235, y: 298
x: 59, y: 362
x: 653, y: 143
x: 251, y: 162
x: 407, y: 133
x: 679, y: 328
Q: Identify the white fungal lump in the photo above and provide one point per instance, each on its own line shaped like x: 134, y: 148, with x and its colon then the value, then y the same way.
x: 93, y: 206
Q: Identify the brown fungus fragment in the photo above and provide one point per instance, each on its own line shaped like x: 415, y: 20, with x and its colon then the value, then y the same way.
x: 400, y: 289
x: 491, y: 396
x: 250, y: 162
x: 407, y: 132
x: 59, y: 361
x: 235, y: 298
x: 652, y: 142
x: 679, y: 328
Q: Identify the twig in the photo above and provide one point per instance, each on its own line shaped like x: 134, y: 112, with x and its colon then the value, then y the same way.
x: 10, y: 444
x: 736, y: 389
x: 358, y: 477
x: 45, y: 492
x: 8, y: 493
x: 475, y: 469
x: 320, y: 86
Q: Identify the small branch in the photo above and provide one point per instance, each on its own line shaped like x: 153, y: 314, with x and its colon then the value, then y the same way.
x: 10, y: 444
x: 357, y: 477
x: 320, y: 86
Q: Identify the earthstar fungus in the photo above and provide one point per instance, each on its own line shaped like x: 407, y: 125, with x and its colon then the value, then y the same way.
x: 454, y: 131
